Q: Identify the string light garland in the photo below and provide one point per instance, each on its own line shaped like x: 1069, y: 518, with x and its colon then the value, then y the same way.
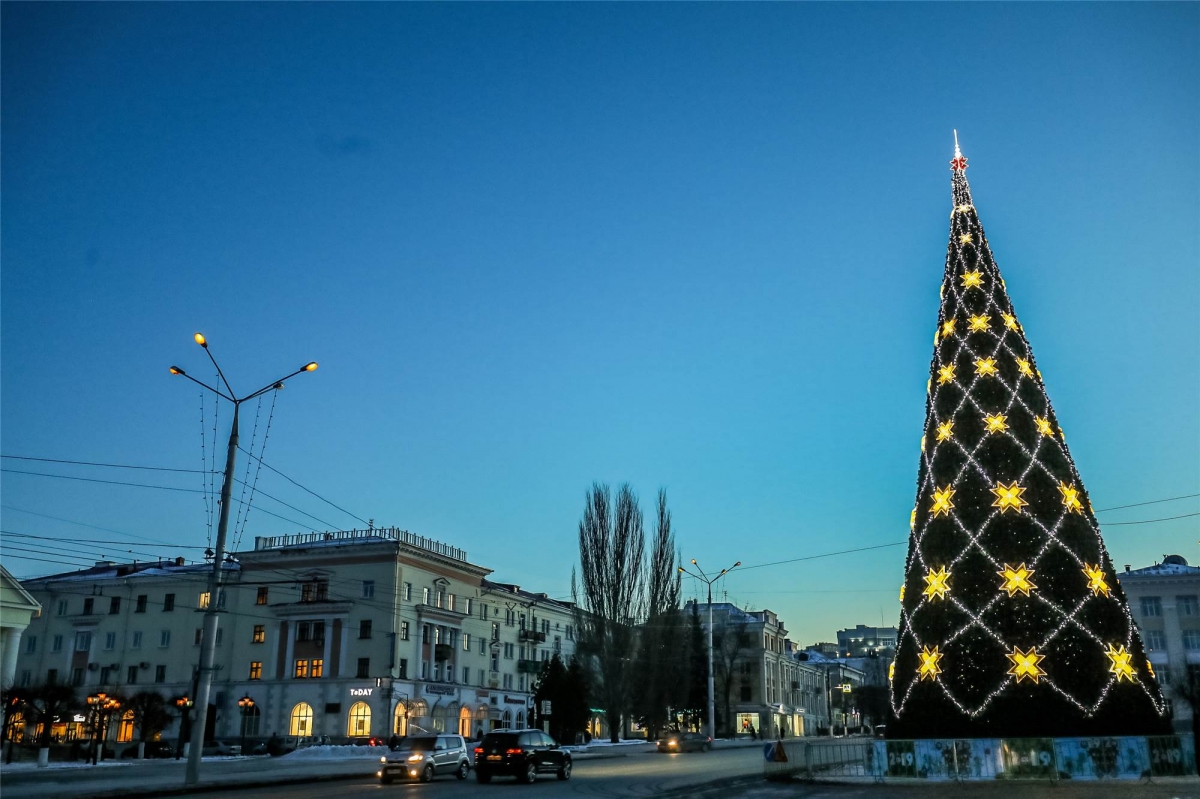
x: 999, y: 496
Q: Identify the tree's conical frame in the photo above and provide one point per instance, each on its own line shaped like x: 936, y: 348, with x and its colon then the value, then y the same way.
x: 1012, y: 621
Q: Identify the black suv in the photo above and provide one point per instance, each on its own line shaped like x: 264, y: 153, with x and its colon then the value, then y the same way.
x: 522, y: 754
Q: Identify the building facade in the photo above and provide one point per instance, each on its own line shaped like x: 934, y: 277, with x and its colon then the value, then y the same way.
x: 351, y: 635
x: 1165, y: 602
x: 863, y: 641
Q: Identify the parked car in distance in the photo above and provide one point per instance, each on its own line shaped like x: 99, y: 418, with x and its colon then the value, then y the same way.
x: 423, y: 757
x: 223, y: 748
x: 522, y: 754
x: 158, y: 749
x: 685, y: 742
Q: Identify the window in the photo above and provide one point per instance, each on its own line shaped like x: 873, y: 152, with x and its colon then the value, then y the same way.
x: 467, y: 606
x: 1154, y: 639
x: 199, y: 635
x: 125, y: 728
x: 1188, y: 605
x: 63, y: 605
x: 301, y: 723
x: 424, y: 669
x: 256, y: 669
x: 30, y: 644
x: 76, y: 677
x: 318, y: 669
x: 466, y: 639
x: 56, y: 644
x: 51, y: 676
x: 407, y: 592
x: 403, y: 631
x: 301, y: 670
x: 131, y: 675
x: 359, y: 723
x: 137, y: 640
x: 558, y: 643
x: 26, y: 678
x: 1191, y: 640
x: 114, y: 606
x: 261, y: 599
x: 1151, y: 606
x: 495, y: 631
x: 425, y: 634
x: 368, y: 591
x: 546, y: 626
x: 110, y: 641
x: 449, y: 601
x: 314, y: 591
x: 441, y: 598
x: 570, y: 633
x: 424, y: 596
x: 204, y: 601
x: 364, y: 628
x: 88, y: 606
x: 404, y: 668
x: 168, y: 603
x: 164, y: 638
x: 508, y: 682
x: 364, y: 668
x: 508, y: 651
x: 160, y: 674
x: 466, y: 674
x: 495, y: 661
x: 105, y: 672
x: 260, y: 634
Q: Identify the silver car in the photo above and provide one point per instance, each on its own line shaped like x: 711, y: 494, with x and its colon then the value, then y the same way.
x: 423, y: 757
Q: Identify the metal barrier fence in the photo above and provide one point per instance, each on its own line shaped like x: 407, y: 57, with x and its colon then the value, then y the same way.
x: 981, y: 758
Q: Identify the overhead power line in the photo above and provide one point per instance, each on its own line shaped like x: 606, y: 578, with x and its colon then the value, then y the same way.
x: 1150, y: 502
x: 304, y: 488
x: 105, y: 465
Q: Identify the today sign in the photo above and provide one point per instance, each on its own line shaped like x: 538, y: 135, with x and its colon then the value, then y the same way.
x: 361, y: 691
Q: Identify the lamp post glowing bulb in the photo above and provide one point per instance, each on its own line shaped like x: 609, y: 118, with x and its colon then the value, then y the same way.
x: 201, y: 340
x: 175, y: 370
x: 311, y: 366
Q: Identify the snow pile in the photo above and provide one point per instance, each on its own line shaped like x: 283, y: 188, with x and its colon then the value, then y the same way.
x: 30, y: 765
x: 347, y: 752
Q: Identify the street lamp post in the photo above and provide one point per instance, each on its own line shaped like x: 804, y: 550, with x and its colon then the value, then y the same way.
x: 704, y: 578
x: 208, y: 638
x: 247, y: 706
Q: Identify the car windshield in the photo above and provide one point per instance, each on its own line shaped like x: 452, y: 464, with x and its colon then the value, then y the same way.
x: 417, y: 744
x: 502, y: 740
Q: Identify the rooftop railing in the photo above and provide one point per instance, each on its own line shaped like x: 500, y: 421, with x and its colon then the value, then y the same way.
x: 363, y: 536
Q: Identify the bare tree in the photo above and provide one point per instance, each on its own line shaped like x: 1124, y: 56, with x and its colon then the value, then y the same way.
x: 662, y: 684
x: 610, y: 595
x: 151, y: 715
x: 729, y: 644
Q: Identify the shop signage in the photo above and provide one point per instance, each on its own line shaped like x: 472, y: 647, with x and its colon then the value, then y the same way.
x: 482, y: 694
x: 440, y: 690
x: 361, y: 691
x: 514, y: 700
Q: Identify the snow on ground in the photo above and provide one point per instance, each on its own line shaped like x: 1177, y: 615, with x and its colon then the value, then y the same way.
x: 348, y: 752
x: 30, y: 765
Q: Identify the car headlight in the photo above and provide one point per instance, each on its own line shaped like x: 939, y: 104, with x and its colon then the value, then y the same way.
x: 415, y: 758
x: 672, y: 743
x: 383, y: 760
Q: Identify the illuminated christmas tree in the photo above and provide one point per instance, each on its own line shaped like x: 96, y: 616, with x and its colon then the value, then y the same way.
x: 1012, y: 621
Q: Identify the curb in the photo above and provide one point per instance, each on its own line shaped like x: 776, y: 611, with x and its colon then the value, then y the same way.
x: 232, y: 785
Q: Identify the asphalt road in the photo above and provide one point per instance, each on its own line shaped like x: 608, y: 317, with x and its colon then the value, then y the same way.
x: 632, y: 776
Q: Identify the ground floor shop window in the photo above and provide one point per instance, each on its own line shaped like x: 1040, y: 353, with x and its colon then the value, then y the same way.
x: 359, y: 723
x: 302, y: 715
x: 125, y: 730
x: 464, y: 722
x: 16, y: 728
x: 747, y: 723
x: 400, y: 722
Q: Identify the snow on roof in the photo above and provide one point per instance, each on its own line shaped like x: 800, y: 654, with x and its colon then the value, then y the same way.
x: 1168, y: 568
x: 127, y: 571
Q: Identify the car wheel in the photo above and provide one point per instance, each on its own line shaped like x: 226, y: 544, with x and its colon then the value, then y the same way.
x: 463, y: 768
x: 484, y: 777
x: 427, y: 774
x: 386, y: 779
x: 531, y: 773
x: 564, y: 773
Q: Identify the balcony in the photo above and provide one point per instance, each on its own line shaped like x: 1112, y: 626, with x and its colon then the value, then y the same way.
x: 442, y: 652
x: 532, y: 635
x: 529, y: 666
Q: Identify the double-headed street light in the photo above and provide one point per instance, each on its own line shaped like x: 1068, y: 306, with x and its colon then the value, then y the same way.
x: 209, y: 635
x: 103, y: 706
x: 704, y: 578
x: 247, y: 706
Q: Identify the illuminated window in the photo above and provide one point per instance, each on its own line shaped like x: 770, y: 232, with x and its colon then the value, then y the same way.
x: 400, y: 721
x: 256, y: 669
x: 318, y: 668
x: 301, y: 724
x: 261, y: 599
x: 359, y: 723
x: 260, y: 634
x: 125, y: 730
x: 301, y: 670
x: 205, y: 599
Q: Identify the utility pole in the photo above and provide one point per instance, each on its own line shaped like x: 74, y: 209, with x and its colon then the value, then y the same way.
x: 702, y: 577
x: 208, y: 640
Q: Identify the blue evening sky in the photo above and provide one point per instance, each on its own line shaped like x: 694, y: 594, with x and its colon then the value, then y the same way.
x: 533, y: 246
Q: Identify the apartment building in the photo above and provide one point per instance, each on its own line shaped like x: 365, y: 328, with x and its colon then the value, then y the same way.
x: 349, y: 634
x: 1165, y: 602
x: 862, y: 641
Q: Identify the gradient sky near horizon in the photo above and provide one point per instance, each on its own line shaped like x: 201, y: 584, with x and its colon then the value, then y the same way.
x: 534, y: 246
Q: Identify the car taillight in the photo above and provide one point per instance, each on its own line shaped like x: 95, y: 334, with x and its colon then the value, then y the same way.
x: 517, y: 751
x: 479, y: 750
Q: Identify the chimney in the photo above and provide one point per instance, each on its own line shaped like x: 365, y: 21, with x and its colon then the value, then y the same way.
x: 179, y: 561
x: 1127, y: 568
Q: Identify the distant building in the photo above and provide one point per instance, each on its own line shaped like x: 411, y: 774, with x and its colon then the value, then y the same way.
x: 1165, y: 602
x: 862, y: 641
x: 825, y: 648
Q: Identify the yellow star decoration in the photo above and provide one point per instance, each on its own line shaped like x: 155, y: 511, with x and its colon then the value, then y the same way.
x: 965, y: 238
x: 891, y: 671
x: 1009, y: 497
x: 978, y: 324
x: 1017, y: 579
x: 985, y: 367
x: 1025, y: 664
x: 1096, y: 580
x: 1070, y: 497
x: 962, y: 209
x: 948, y: 327
x: 929, y: 668
x: 1043, y: 426
x: 901, y: 593
x: 912, y: 525
x: 995, y: 423
x: 1024, y: 368
x: 937, y: 584
x: 944, y: 431
x: 972, y: 280
x: 946, y: 374
x: 1120, y: 663
x: 1150, y: 668
x: 922, y: 443
x: 1010, y: 321
x: 941, y: 501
